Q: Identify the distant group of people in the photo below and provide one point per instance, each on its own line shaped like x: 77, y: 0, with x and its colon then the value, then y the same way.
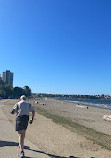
x: 22, y: 109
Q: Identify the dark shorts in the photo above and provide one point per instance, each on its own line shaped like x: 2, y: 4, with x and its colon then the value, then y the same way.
x: 22, y: 122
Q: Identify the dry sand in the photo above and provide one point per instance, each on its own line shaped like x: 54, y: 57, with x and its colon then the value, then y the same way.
x: 59, y: 141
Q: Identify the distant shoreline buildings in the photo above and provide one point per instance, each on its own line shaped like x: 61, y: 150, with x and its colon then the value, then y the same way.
x: 7, y: 77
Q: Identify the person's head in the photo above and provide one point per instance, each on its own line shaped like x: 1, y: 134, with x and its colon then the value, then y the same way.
x: 23, y: 97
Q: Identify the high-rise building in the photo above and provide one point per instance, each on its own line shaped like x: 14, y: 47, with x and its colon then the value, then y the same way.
x: 7, y: 77
x: 0, y: 77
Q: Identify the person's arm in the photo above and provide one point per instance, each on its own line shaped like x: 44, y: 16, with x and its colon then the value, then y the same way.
x: 33, y: 114
x: 15, y: 109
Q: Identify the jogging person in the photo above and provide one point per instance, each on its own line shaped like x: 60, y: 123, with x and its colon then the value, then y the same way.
x: 22, y: 109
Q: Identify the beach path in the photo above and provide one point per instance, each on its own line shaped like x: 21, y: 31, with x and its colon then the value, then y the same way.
x: 9, y: 141
x: 54, y: 140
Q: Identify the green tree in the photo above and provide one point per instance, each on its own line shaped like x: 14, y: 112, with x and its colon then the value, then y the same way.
x: 2, y: 92
x: 6, y: 91
x: 18, y: 91
x: 2, y: 82
x: 27, y: 91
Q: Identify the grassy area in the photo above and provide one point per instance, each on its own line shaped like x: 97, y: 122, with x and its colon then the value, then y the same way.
x: 99, y: 138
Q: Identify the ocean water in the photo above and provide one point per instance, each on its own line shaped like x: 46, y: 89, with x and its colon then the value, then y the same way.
x: 102, y: 103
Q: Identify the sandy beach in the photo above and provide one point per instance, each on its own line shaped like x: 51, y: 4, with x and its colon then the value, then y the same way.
x: 58, y: 141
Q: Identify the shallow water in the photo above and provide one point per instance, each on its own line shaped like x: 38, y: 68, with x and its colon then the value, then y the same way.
x: 102, y: 103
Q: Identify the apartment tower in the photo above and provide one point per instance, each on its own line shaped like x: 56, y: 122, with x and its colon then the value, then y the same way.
x: 7, y: 77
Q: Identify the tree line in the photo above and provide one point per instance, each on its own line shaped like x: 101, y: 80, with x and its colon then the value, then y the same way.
x: 7, y: 91
x: 65, y: 96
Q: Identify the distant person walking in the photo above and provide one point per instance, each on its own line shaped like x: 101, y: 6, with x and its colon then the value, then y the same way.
x: 22, y: 109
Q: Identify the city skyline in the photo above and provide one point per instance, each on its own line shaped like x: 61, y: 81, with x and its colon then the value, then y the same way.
x: 57, y: 47
x: 7, y: 80
x: 7, y: 77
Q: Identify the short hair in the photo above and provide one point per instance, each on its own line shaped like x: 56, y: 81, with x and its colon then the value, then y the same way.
x: 23, y: 97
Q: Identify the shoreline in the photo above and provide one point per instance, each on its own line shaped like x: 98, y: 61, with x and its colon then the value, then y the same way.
x: 79, y: 125
x: 88, y: 133
x: 91, y: 117
x: 80, y: 101
x: 55, y: 138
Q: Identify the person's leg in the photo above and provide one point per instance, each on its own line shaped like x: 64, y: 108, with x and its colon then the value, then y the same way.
x: 21, y: 139
x: 24, y: 132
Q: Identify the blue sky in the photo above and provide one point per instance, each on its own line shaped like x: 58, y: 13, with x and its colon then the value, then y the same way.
x: 57, y: 46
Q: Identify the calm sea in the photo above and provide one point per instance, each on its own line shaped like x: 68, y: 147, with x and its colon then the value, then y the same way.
x: 102, y: 103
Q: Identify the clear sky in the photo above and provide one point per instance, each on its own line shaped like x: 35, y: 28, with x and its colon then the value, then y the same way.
x: 57, y: 46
